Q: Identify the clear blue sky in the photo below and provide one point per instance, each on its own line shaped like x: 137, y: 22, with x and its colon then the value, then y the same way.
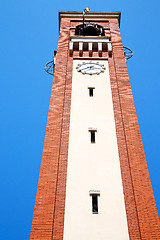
x: 29, y: 35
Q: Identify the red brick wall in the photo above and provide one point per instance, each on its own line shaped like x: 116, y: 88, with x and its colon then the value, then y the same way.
x: 49, y: 206
x: 143, y: 221
x: 48, y: 218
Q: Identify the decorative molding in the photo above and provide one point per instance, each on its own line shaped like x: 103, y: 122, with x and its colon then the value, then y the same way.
x: 90, y: 43
x: 94, y: 192
x: 89, y: 15
x: 92, y: 129
x: 91, y: 37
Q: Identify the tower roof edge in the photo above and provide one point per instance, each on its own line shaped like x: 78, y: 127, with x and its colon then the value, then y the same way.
x: 74, y: 14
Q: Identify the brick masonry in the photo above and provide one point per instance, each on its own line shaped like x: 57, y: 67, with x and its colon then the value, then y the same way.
x: 49, y: 205
x: 137, y: 187
x: 48, y: 217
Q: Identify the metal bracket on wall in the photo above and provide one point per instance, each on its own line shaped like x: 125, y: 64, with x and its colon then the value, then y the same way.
x: 128, y: 53
x: 49, y: 67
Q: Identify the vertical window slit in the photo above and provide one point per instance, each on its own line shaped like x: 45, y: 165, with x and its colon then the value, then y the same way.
x: 94, y: 204
x: 91, y: 91
x: 94, y: 195
x: 92, y: 136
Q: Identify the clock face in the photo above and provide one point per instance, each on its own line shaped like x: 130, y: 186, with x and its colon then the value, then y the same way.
x: 90, y: 68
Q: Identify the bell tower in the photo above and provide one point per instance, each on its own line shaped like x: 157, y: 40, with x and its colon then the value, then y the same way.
x: 94, y: 181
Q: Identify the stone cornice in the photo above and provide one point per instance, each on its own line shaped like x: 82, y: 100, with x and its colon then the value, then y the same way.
x: 90, y: 15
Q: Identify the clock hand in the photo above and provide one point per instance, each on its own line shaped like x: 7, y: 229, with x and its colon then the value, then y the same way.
x: 88, y: 69
x: 84, y: 68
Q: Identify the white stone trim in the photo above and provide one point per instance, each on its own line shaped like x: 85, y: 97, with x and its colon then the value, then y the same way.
x: 71, y: 47
x: 93, y: 40
x: 92, y: 129
x: 89, y: 37
x: 94, y: 192
x: 90, y: 48
x: 100, y: 48
x: 80, y: 48
x: 98, y: 43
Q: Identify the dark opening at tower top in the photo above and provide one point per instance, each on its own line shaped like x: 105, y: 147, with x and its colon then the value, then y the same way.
x: 89, y: 29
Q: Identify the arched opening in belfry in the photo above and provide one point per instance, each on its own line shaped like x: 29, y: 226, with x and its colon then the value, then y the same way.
x: 89, y: 29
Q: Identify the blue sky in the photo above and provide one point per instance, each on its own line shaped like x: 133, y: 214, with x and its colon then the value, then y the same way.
x: 29, y: 35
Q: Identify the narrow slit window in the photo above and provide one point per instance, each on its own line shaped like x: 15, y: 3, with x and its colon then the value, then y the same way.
x: 94, y: 195
x: 92, y: 135
x: 91, y: 90
x: 94, y: 203
x: 93, y: 139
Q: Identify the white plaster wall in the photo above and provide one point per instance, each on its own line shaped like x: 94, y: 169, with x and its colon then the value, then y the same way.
x: 93, y: 166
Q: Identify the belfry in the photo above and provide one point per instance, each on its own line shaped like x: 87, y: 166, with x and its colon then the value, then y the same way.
x: 94, y: 182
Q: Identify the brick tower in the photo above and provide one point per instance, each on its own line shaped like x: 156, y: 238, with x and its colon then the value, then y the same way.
x: 94, y: 182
